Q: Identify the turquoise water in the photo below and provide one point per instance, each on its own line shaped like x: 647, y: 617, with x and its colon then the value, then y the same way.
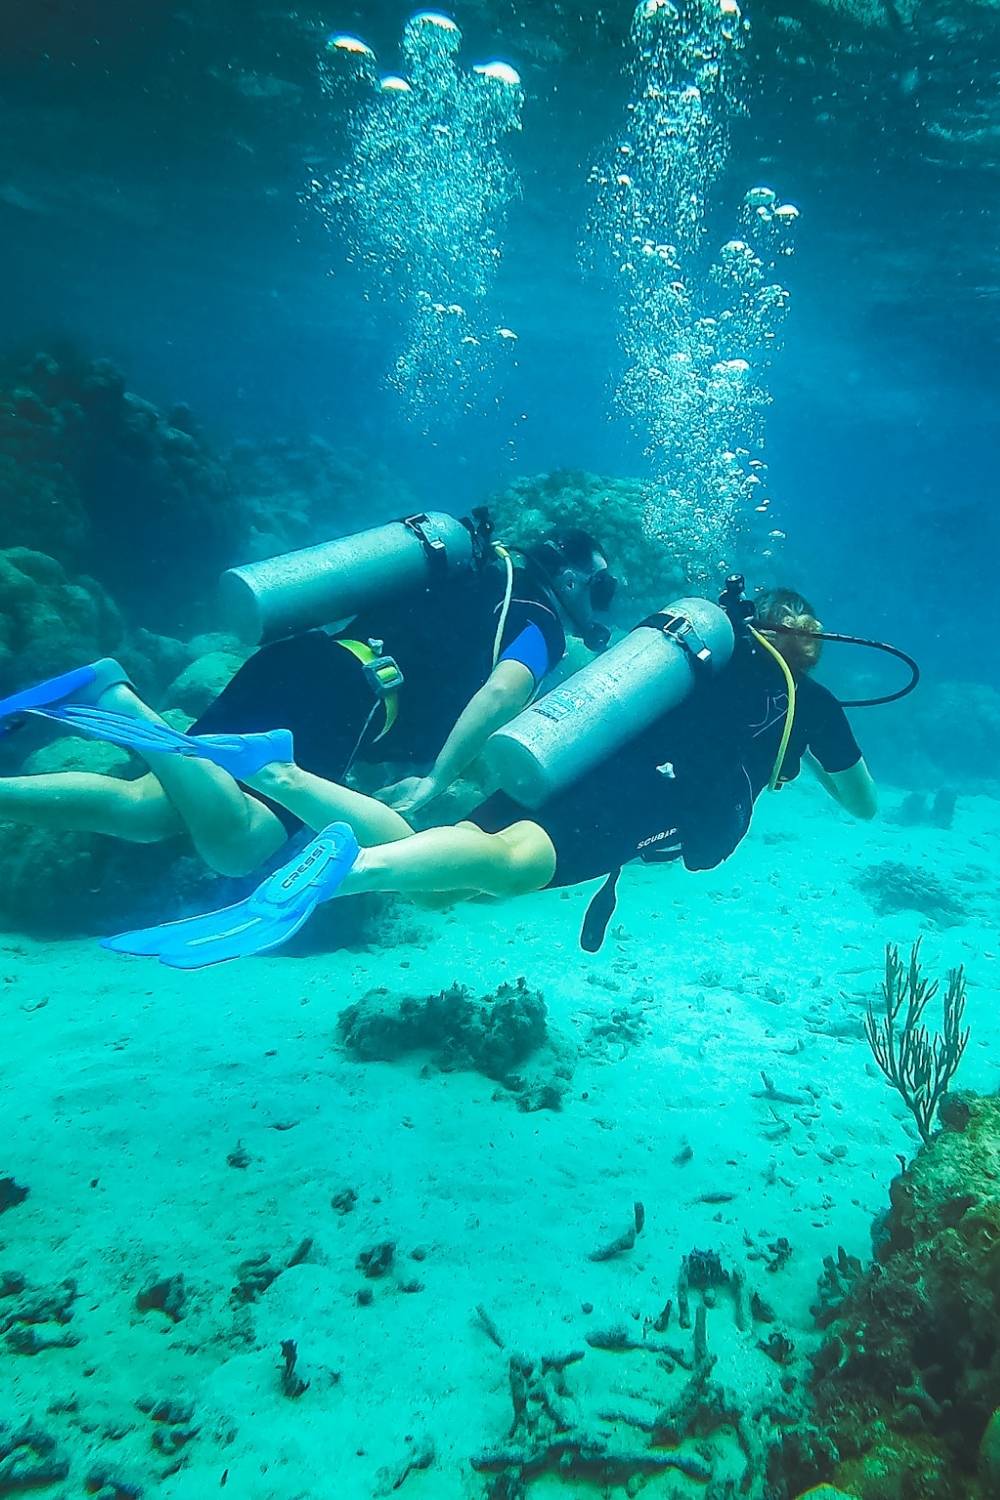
x: 432, y: 1199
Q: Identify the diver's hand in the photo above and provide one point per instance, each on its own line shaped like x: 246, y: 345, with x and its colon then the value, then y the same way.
x: 409, y: 795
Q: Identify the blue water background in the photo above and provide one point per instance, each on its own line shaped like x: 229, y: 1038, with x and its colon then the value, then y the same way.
x: 150, y: 212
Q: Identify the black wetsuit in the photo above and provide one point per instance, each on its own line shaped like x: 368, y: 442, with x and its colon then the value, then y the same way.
x: 685, y: 788
x: 443, y: 639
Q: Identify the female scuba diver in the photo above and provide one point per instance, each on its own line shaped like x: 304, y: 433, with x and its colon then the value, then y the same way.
x: 473, y: 633
x: 684, y: 788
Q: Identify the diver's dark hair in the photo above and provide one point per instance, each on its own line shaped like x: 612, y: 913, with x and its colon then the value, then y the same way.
x: 787, y: 607
x: 575, y: 546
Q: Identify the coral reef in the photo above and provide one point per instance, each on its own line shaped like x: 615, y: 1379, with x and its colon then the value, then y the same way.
x: 296, y: 493
x: 106, y: 484
x: 214, y: 660
x: 49, y: 619
x: 11, y: 1194
x: 39, y: 499
x: 625, y: 1241
x: 67, y: 883
x: 167, y: 1295
x: 102, y: 483
x: 905, y: 1384
x: 256, y: 1274
x: 612, y: 509
x: 102, y: 479
x: 292, y: 1384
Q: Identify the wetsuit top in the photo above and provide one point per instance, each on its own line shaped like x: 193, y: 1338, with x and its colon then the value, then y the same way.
x: 685, y: 787
x: 722, y: 745
x: 443, y: 639
x: 820, y: 727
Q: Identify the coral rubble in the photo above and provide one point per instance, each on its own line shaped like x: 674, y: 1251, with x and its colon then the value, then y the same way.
x: 494, y: 1035
x: 893, y: 887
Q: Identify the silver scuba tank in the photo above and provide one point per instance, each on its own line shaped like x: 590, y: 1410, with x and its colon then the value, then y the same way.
x: 264, y: 601
x: 613, y: 698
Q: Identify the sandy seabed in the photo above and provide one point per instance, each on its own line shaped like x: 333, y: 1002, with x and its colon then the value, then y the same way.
x: 130, y: 1091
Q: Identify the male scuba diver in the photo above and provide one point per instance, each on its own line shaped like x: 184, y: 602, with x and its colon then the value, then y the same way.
x: 449, y: 637
x: 731, y: 708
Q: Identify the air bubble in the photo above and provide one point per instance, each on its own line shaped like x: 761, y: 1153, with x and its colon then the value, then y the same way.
x: 698, y: 411
x: 422, y: 200
x: 349, y: 44
x: 501, y: 71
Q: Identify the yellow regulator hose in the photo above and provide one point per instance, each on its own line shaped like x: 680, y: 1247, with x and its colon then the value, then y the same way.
x: 789, y: 711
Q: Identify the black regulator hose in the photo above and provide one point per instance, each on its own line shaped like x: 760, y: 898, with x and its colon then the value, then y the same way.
x: 859, y: 640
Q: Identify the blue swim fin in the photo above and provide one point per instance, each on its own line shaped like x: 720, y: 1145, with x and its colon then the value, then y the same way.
x: 81, y: 685
x: 275, y: 911
x: 242, y: 755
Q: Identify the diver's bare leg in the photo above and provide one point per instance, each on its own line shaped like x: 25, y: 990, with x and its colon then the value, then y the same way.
x: 81, y: 802
x: 233, y: 833
x: 319, y: 802
x: 514, y: 862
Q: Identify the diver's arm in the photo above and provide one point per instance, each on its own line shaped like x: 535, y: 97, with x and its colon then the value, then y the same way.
x: 503, y: 695
x: 854, y: 789
x: 507, y: 690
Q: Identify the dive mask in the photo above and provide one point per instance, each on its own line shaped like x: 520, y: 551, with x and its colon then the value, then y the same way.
x: 581, y: 595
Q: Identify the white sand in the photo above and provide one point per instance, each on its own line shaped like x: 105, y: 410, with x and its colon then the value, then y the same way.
x: 125, y: 1091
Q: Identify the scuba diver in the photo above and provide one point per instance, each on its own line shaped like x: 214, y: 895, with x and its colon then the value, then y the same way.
x: 473, y: 632
x: 655, y: 751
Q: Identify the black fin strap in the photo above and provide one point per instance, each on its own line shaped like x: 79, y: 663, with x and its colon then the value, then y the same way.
x: 599, y: 914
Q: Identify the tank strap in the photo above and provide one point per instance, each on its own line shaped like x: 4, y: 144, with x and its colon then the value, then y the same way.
x: 680, y: 629
x: 383, y: 676
x: 433, y: 543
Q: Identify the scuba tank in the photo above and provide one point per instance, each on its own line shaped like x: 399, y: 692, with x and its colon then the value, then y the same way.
x: 613, y: 698
x: 322, y: 585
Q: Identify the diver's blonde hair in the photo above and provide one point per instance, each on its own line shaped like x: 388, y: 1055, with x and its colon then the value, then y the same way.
x: 790, y: 619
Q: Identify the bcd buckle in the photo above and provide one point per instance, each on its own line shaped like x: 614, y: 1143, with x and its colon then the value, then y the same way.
x: 384, y: 676
x: 680, y: 629
x: 433, y: 544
